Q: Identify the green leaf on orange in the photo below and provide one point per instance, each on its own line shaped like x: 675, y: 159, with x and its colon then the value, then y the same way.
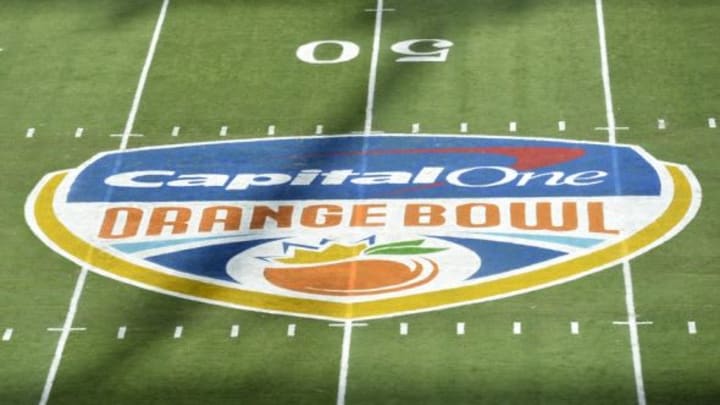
x: 407, y: 243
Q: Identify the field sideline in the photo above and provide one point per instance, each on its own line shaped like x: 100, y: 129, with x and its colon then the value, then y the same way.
x: 81, y: 77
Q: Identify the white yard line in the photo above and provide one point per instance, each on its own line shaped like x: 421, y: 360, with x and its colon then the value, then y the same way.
x: 634, y: 336
x: 143, y: 76
x: 372, y: 79
x: 67, y: 326
x: 80, y: 284
x: 373, y: 69
x: 627, y: 274
x: 605, y: 70
x: 344, y: 361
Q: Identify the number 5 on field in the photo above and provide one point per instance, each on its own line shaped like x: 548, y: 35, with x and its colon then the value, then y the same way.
x: 350, y: 50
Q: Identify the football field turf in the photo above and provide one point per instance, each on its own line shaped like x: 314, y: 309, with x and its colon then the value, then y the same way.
x: 79, y: 77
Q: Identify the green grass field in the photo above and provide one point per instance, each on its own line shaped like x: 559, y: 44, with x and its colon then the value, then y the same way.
x: 69, y: 64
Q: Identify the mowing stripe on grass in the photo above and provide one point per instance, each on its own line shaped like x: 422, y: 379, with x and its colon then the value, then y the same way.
x: 80, y: 284
x: 627, y: 275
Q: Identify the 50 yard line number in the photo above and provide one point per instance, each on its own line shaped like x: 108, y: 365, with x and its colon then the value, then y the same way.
x: 350, y: 50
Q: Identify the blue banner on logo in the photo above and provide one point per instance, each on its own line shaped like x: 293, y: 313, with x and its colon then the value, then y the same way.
x: 366, y: 167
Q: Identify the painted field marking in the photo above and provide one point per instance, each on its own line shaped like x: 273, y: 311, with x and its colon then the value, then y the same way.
x: 30, y: 133
x: 612, y: 129
x: 175, y: 131
x: 692, y: 328
x: 271, y: 130
x: 234, y: 331
x: 372, y: 76
x: 63, y: 329
x: 7, y: 335
x: 636, y: 322
x: 561, y: 126
x: 80, y: 283
x: 661, y: 124
x: 415, y: 128
x: 79, y: 132
x: 345, y: 351
x: 291, y: 330
x: 460, y: 328
x: 627, y: 274
x: 403, y: 328
x: 318, y: 130
x: 126, y: 136
x: 121, y: 332
x: 517, y: 328
x: 178, y: 332
x: 463, y: 127
x: 574, y: 328
x: 712, y: 123
x: 223, y: 130
x: 64, y: 335
x: 513, y: 126
x: 342, y: 325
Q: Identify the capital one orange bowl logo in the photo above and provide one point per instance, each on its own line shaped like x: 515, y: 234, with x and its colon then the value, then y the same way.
x: 358, y: 227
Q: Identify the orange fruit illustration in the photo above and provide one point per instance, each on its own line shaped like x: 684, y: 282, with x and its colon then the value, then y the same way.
x: 352, y: 277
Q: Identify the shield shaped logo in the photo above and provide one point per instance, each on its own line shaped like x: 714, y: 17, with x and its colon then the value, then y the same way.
x: 358, y: 227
